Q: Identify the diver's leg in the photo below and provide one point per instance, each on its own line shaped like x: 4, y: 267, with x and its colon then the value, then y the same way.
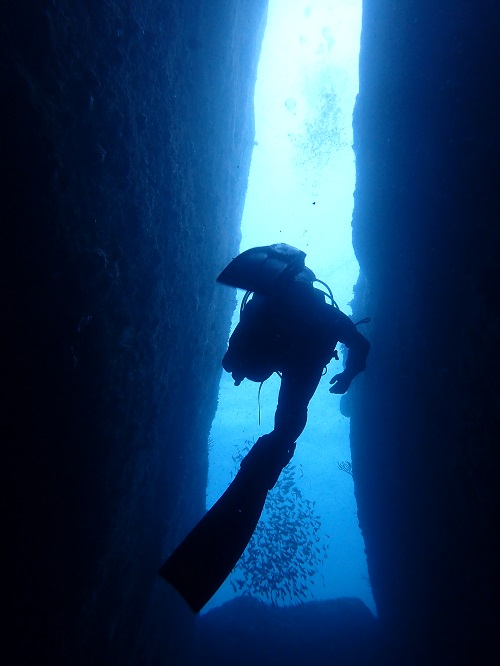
x: 272, y: 452
x: 298, y: 385
x: 207, y: 555
x: 267, y: 458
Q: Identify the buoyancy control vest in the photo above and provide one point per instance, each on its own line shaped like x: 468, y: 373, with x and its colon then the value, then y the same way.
x: 284, y: 304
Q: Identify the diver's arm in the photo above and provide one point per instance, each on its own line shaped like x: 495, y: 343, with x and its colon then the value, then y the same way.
x: 358, y: 348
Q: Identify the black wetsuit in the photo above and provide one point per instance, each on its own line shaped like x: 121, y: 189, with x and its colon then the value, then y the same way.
x: 295, y: 332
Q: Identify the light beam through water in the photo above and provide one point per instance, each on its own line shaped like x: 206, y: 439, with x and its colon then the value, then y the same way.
x: 300, y: 192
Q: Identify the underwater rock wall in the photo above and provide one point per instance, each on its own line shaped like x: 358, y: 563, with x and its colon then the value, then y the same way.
x: 126, y: 134
x: 246, y: 632
x: 425, y: 415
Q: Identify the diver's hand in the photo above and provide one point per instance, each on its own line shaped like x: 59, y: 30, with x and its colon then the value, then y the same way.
x: 341, y: 383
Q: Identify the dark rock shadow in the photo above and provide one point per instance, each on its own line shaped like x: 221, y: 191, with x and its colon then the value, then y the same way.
x: 247, y: 632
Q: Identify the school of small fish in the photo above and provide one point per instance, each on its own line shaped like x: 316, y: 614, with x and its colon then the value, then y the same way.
x: 283, y: 558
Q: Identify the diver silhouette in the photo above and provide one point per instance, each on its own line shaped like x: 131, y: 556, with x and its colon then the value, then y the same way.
x: 292, y: 330
x: 286, y: 326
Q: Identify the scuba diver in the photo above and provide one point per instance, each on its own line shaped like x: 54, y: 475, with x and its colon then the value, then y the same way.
x: 286, y: 326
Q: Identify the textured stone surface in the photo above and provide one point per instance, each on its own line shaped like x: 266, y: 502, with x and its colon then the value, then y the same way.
x: 425, y: 415
x: 246, y: 632
x: 127, y: 132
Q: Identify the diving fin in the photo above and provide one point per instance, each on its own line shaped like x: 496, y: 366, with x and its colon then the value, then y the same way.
x: 206, y: 557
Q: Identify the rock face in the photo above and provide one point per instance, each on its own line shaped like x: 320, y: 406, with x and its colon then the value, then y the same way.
x: 127, y: 132
x: 425, y: 417
x: 247, y: 632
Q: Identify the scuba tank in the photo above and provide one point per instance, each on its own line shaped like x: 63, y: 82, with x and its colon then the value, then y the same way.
x: 264, y: 269
x: 261, y: 269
